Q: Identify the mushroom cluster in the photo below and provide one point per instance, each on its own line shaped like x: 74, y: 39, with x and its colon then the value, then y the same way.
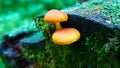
x: 62, y: 36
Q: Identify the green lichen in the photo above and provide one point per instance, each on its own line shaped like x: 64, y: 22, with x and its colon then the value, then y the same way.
x: 110, y: 9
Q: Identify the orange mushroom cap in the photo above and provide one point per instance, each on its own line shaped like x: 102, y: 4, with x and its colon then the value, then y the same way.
x: 55, y: 16
x: 65, y: 36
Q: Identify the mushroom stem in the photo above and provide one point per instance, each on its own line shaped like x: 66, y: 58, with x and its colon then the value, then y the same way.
x: 58, y: 26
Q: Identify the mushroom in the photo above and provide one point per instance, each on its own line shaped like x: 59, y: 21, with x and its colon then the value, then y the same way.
x: 62, y: 36
x: 65, y: 36
x: 55, y: 16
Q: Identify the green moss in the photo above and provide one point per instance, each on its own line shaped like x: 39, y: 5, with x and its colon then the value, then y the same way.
x: 91, y: 51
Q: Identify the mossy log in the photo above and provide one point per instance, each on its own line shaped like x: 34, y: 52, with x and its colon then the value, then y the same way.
x: 98, y: 47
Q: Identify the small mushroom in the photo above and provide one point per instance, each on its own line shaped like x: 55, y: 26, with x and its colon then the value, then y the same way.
x: 55, y: 16
x: 65, y: 36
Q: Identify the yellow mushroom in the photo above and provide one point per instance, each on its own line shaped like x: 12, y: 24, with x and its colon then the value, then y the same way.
x: 55, y: 16
x: 65, y: 36
x: 62, y: 36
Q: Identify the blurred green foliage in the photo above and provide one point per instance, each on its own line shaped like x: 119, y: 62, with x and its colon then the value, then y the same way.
x: 15, y: 13
x: 1, y: 64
